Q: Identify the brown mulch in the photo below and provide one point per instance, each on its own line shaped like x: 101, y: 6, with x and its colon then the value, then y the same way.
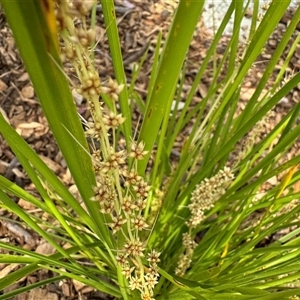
x: 139, y: 23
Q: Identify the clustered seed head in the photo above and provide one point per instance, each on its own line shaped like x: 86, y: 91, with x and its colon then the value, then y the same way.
x: 139, y: 223
x: 185, y: 259
x: 105, y: 194
x: 77, y: 39
x: 151, y: 280
x: 131, y: 178
x: 253, y: 136
x: 146, y: 296
x: 113, y: 121
x: 144, y: 279
x: 265, y: 6
x: 69, y: 51
x: 85, y: 37
x: 134, y: 248
x: 117, y: 223
x: 137, y: 150
x: 141, y: 189
x: 113, y: 89
x: 206, y: 194
x: 128, y: 205
x: 114, y: 161
x: 203, y: 198
x: 135, y: 283
x: 122, y: 260
x: 121, y: 193
x: 140, y: 204
x: 188, y: 242
x: 128, y: 216
x: 127, y: 270
x: 153, y: 257
x: 90, y: 84
x: 94, y: 130
x: 81, y: 8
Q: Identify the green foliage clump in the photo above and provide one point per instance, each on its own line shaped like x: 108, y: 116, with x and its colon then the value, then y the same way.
x: 155, y: 229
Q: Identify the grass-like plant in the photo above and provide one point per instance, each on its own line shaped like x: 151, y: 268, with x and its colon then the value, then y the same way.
x: 186, y: 230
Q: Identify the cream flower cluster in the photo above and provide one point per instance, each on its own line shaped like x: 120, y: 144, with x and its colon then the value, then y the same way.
x: 121, y: 193
x: 206, y: 194
x: 203, y: 198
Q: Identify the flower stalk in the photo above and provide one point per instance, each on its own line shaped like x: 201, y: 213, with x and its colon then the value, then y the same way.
x: 120, y: 191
